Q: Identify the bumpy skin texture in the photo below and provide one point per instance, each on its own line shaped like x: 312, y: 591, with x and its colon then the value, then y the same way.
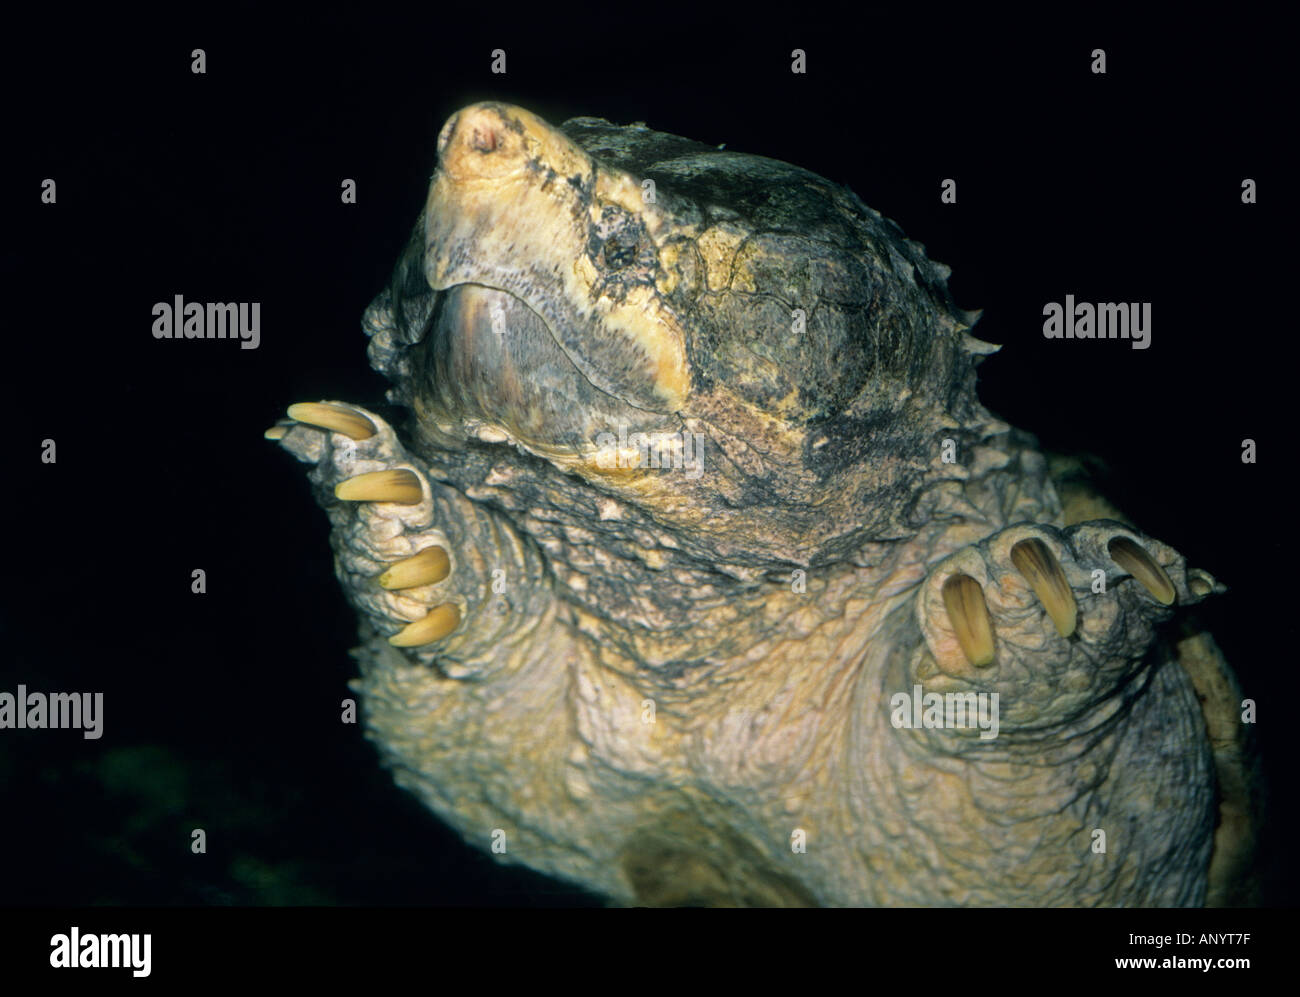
x: 661, y: 676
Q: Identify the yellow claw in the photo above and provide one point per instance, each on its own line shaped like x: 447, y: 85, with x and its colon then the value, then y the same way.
x: 1040, y: 568
x: 969, y: 614
x: 397, y: 485
x: 1142, y: 566
x: 335, y: 418
x: 440, y: 622
x: 1200, y: 582
x: 275, y: 433
x: 429, y: 566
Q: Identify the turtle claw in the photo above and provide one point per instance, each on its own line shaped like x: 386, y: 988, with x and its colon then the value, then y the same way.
x: 398, y: 485
x: 436, y: 625
x: 969, y: 615
x: 334, y: 417
x: 1142, y: 566
x: 1040, y: 568
x: 428, y: 567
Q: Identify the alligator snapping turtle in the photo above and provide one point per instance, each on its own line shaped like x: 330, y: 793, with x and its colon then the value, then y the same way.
x: 701, y: 559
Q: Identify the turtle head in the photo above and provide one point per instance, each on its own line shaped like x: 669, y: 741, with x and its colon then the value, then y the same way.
x: 736, y: 346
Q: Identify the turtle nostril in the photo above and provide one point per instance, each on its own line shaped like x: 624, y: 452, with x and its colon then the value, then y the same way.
x: 484, y: 140
x: 478, y: 144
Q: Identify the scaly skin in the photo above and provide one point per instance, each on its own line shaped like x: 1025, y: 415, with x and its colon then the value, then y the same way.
x: 652, y: 678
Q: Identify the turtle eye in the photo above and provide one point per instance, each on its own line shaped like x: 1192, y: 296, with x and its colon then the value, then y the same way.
x: 619, y: 254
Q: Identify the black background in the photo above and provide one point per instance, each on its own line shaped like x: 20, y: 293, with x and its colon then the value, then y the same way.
x: 222, y: 709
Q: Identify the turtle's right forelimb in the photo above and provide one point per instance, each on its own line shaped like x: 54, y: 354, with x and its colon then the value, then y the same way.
x: 436, y: 574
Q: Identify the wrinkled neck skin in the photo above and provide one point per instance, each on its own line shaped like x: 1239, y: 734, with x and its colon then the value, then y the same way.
x: 669, y: 598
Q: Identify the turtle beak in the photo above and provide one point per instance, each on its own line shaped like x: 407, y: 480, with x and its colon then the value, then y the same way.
x: 489, y: 363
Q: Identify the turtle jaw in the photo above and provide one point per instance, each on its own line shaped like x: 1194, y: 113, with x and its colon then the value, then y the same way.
x: 489, y: 366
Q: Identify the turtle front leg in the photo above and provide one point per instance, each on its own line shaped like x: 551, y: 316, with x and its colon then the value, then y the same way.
x: 429, y: 570
x: 1088, y: 776
x: 466, y: 665
x: 1063, y: 622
